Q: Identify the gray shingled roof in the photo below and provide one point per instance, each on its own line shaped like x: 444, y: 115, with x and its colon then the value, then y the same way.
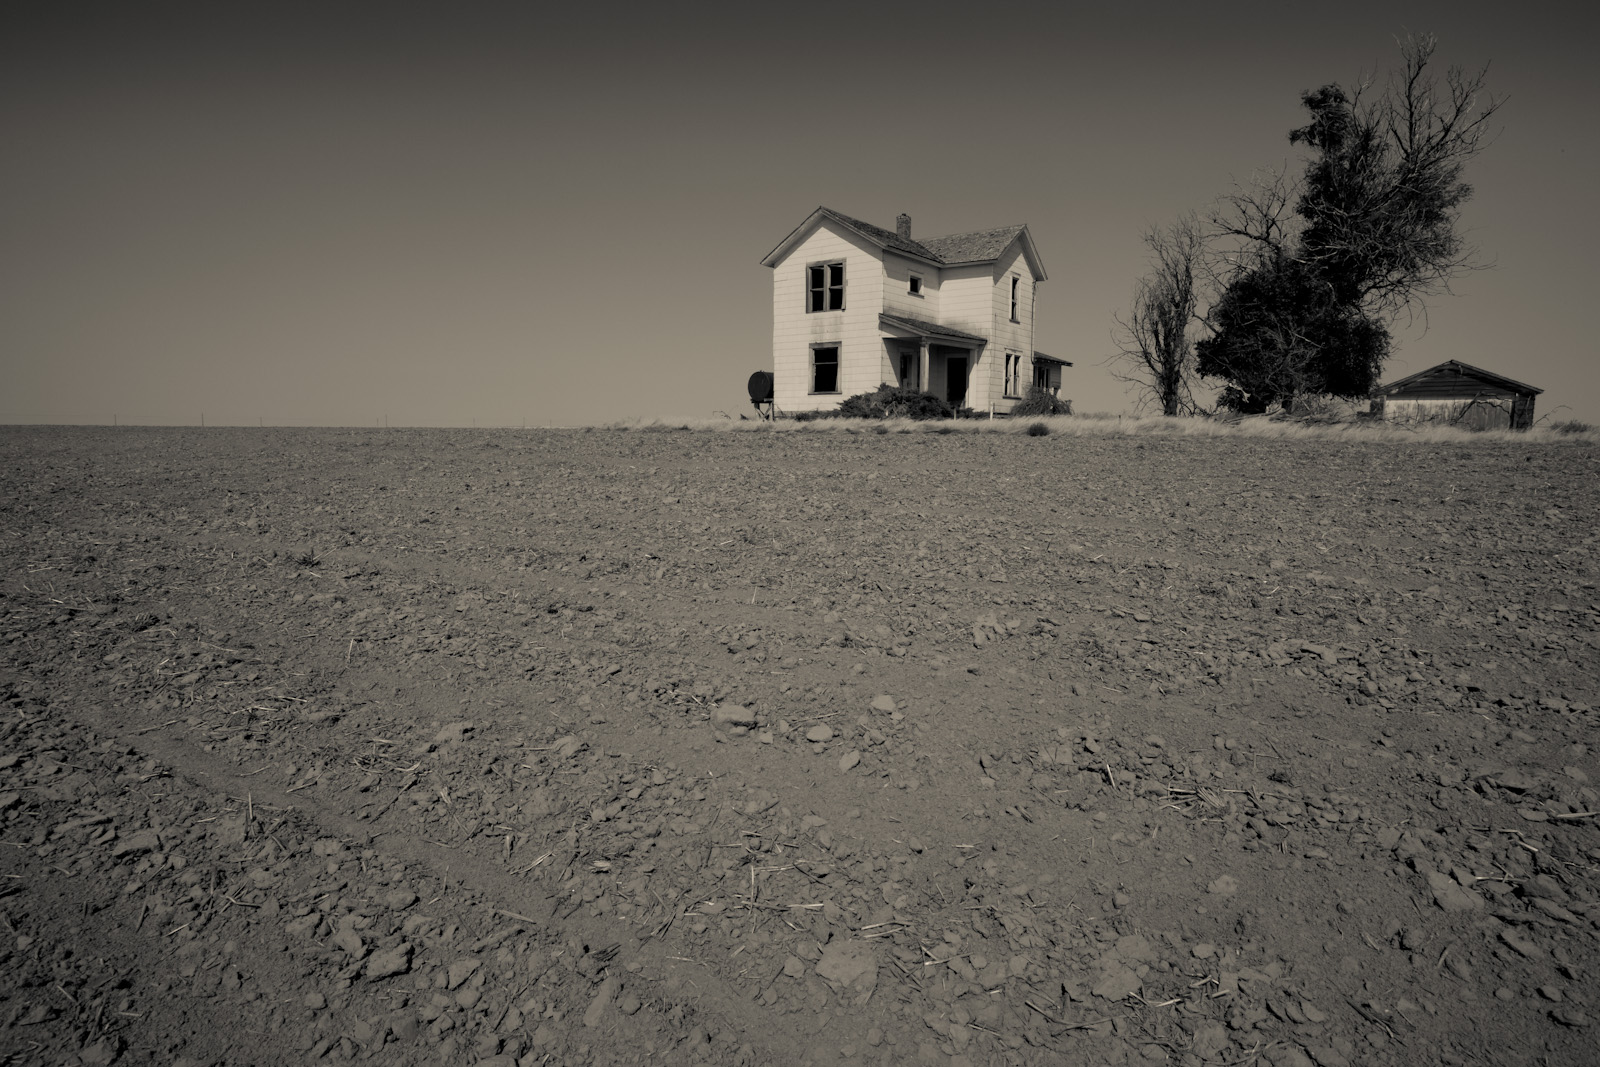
x: 887, y: 238
x: 985, y: 246
x: 928, y: 329
x: 951, y: 250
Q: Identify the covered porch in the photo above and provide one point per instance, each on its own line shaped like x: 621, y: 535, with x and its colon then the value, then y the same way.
x: 930, y: 358
x: 1047, y: 372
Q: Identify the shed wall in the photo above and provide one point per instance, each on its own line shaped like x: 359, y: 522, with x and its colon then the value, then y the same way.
x: 1478, y: 413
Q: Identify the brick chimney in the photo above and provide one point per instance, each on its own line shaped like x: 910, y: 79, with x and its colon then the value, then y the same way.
x: 902, y: 225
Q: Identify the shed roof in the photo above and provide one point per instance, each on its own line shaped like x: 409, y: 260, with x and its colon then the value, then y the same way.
x: 951, y: 250
x: 1452, y: 374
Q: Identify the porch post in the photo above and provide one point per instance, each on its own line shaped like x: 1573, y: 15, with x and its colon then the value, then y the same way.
x: 922, y: 365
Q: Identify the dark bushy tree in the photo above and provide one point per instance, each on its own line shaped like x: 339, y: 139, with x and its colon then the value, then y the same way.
x: 1317, y: 270
x: 1281, y: 332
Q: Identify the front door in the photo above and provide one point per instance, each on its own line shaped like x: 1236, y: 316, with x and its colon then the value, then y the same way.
x: 955, y: 377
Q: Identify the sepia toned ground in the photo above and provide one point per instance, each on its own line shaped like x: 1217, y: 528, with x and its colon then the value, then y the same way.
x: 632, y: 747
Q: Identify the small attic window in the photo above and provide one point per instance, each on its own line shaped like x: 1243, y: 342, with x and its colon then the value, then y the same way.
x: 915, y: 288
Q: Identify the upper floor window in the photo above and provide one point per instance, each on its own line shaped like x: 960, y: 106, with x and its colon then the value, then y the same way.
x: 915, y: 288
x: 825, y: 287
x: 1015, y: 281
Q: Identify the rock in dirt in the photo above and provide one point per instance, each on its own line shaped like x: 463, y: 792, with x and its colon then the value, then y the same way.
x: 400, y: 899
x: 1209, y: 1041
x: 761, y: 800
x: 602, y: 1000
x: 1522, y: 943
x: 454, y: 731
x: 1327, y: 1056
x: 350, y: 941
x: 1116, y: 982
x: 102, y: 1052
x: 725, y: 715
x: 460, y: 971
x: 852, y: 964
x: 1223, y: 886
x: 390, y: 962
x: 133, y: 844
x: 849, y: 760
x: 1289, y: 1056
x: 1450, y: 896
x: 884, y: 704
x: 819, y: 733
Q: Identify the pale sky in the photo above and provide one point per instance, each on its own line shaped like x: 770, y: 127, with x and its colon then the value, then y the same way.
x: 337, y: 213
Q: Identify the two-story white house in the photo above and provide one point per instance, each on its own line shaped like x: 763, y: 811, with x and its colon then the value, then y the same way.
x: 855, y: 306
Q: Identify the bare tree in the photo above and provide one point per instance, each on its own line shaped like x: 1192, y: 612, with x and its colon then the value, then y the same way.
x: 1252, y: 224
x: 1382, y: 197
x: 1156, y: 349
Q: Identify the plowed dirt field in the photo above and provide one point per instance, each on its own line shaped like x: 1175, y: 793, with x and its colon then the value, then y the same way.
x: 770, y: 748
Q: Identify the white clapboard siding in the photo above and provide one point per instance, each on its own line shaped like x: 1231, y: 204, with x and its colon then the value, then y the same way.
x: 1005, y: 335
x: 855, y: 329
x: 897, y: 298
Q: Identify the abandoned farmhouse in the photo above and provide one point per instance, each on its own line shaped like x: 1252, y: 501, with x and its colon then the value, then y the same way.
x: 855, y: 306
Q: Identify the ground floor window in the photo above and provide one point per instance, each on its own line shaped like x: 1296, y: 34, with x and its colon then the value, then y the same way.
x: 1041, y: 376
x: 1013, y: 374
x: 824, y: 368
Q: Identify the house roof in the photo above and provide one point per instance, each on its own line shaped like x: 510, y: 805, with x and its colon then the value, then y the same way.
x: 928, y: 329
x: 880, y: 236
x: 1052, y: 359
x: 985, y: 246
x: 952, y: 250
x: 1455, y: 369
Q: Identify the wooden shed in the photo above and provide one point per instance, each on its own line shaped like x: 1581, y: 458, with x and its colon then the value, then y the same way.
x: 1457, y: 394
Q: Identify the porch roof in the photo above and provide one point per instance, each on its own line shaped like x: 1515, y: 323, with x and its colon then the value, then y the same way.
x: 930, y: 331
x: 1040, y: 357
